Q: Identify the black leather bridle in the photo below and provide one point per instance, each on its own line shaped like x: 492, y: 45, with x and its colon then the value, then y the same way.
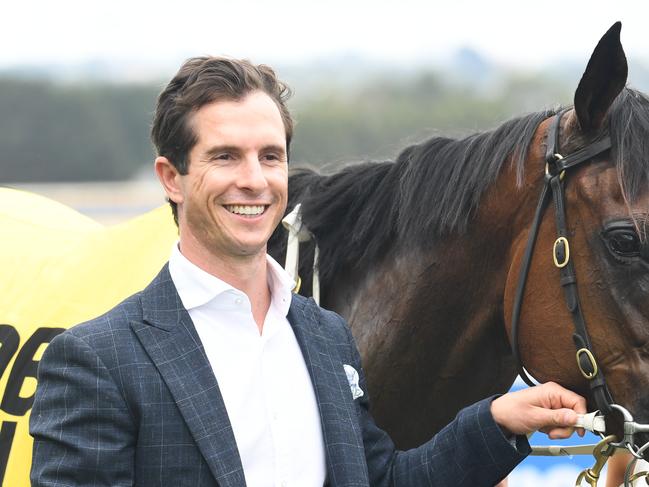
x: 556, y: 168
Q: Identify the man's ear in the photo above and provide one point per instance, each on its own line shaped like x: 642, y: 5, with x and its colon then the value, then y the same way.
x: 169, y: 178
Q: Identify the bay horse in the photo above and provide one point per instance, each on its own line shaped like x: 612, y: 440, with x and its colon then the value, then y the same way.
x: 422, y: 257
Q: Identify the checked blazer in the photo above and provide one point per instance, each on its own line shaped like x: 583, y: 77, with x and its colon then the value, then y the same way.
x: 129, y: 398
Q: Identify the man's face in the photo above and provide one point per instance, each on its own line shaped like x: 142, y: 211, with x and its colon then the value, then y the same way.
x: 235, y: 191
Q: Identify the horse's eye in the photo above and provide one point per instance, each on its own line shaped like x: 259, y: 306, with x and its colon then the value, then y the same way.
x: 624, y: 242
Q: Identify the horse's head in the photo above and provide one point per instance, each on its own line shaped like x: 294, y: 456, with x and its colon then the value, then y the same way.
x: 607, y: 209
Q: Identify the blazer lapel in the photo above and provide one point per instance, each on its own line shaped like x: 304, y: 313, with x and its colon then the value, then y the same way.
x: 346, y: 463
x: 169, y: 337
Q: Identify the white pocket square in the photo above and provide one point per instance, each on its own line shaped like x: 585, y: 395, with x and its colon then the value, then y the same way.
x: 352, y: 378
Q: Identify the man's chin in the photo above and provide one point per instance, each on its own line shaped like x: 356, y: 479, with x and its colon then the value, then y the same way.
x: 248, y: 252
x: 249, y: 249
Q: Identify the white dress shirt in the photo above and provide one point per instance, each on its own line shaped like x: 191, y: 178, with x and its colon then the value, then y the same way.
x: 262, y: 377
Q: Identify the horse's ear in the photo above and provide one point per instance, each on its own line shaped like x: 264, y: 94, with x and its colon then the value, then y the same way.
x: 604, y: 78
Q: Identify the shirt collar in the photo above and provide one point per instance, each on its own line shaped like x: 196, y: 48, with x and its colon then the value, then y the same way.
x: 281, y: 285
x: 197, y: 287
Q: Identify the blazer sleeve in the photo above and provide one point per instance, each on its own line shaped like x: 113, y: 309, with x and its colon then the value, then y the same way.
x: 83, y: 431
x: 470, y: 451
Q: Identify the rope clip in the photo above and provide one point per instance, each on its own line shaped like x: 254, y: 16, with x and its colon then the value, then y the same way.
x: 602, y: 451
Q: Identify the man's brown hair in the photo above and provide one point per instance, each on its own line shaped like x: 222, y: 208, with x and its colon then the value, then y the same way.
x: 204, y: 80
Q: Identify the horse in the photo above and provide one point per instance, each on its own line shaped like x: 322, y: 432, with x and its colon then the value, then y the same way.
x: 422, y: 257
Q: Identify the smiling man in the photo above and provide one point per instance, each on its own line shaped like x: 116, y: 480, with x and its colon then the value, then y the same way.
x: 216, y: 374
x: 233, y: 193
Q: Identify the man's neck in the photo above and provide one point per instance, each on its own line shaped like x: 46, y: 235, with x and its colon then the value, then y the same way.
x: 248, y: 274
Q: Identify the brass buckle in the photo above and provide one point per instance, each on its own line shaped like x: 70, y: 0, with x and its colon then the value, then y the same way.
x: 566, y: 246
x: 298, y: 285
x: 558, y: 157
x: 592, y: 360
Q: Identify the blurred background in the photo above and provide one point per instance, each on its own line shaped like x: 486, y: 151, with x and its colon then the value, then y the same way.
x: 79, y: 79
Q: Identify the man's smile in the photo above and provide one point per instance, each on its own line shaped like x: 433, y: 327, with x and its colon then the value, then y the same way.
x: 248, y: 210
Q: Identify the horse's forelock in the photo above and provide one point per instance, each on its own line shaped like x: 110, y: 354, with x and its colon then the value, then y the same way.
x: 629, y: 130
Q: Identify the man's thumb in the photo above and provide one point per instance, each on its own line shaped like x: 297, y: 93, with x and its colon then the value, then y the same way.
x: 562, y: 417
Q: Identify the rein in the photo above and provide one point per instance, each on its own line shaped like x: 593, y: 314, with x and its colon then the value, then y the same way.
x: 297, y: 233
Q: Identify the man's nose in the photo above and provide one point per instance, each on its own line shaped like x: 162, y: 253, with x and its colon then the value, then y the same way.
x: 251, y: 174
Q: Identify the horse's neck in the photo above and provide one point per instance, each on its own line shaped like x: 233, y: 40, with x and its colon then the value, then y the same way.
x: 462, y: 275
x: 428, y: 327
x: 429, y: 322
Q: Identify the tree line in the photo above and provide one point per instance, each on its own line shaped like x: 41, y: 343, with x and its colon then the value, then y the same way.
x: 53, y: 132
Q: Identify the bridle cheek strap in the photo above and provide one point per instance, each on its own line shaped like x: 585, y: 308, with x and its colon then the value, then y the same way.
x: 554, y: 181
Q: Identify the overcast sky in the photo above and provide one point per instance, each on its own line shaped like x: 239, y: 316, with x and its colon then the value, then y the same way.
x: 291, y: 31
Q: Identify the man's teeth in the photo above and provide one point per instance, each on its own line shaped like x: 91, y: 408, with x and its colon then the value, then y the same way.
x: 246, y: 209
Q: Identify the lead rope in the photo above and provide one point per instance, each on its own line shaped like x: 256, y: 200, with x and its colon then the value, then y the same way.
x: 298, y: 233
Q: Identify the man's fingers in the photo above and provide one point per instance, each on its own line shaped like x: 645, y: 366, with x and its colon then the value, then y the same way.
x: 549, y: 419
x: 557, y: 423
x: 564, y: 398
x: 565, y: 417
x: 548, y: 408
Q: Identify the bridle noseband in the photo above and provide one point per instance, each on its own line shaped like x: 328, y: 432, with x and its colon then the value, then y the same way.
x: 556, y: 168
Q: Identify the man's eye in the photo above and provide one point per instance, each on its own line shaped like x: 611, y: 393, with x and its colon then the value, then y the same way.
x: 272, y: 157
x: 223, y: 157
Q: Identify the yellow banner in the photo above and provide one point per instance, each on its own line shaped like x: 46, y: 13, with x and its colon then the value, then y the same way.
x: 59, y: 268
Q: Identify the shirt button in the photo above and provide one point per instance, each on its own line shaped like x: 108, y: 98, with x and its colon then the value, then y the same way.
x: 284, y: 483
x: 238, y: 301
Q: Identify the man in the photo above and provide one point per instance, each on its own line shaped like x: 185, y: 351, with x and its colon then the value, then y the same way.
x: 215, y: 374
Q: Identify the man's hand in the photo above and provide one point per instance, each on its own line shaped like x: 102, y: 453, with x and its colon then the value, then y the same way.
x: 548, y: 408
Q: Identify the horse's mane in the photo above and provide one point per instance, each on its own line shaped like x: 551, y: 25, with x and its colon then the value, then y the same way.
x: 629, y: 130
x: 434, y: 187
